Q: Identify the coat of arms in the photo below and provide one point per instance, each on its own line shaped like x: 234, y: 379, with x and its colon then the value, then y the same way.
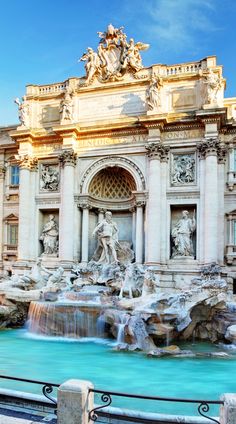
x: 114, y: 57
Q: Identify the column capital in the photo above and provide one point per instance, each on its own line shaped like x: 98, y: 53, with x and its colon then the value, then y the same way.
x: 27, y: 162
x: 84, y: 205
x: 212, y: 147
x: 140, y: 203
x: 156, y: 150
x: 102, y: 210
x: 68, y: 157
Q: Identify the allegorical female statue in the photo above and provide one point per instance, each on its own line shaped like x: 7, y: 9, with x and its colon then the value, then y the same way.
x: 182, y: 235
x: 49, y: 236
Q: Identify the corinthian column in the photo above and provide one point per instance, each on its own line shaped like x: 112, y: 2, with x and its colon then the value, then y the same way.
x: 66, y: 223
x: 85, y: 232
x: 209, y: 150
x: 139, y: 232
x: 26, y: 208
x: 2, y: 175
x: 155, y: 150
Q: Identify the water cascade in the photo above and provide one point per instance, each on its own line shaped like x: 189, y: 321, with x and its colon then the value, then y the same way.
x: 65, y: 320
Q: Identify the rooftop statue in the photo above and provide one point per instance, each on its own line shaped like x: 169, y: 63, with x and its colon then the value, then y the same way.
x: 114, y: 57
x: 23, y: 111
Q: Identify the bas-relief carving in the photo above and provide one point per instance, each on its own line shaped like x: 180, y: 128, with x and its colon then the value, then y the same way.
x: 183, y: 169
x: 181, y: 234
x: 115, y: 56
x: 49, y: 179
x: 23, y: 111
x: 49, y: 236
x: 183, y: 98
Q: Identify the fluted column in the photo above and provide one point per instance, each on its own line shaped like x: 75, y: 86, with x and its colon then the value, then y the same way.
x: 133, y: 210
x: 209, y: 150
x: 66, y: 223
x: 164, y: 235
x: 85, y: 232
x: 222, y: 150
x: 139, y: 232
x: 155, y: 150
x: 33, y: 241
x: 25, y: 208
x: 2, y: 175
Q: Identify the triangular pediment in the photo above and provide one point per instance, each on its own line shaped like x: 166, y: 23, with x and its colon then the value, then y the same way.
x: 12, y: 217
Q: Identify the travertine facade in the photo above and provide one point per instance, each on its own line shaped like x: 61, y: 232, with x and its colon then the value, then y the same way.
x: 144, y: 143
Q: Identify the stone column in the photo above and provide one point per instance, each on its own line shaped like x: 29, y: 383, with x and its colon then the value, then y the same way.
x: 25, y: 208
x: 209, y: 150
x: 201, y: 224
x: 66, y: 223
x: 221, y: 211
x: 155, y: 150
x: 101, y: 213
x: 231, y: 171
x: 2, y: 176
x: 33, y: 241
x: 139, y: 233
x: 74, y: 402
x: 133, y: 210
x: 85, y: 232
x: 164, y: 176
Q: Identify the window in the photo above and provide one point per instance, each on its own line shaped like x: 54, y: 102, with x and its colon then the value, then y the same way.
x: 13, y: 234
x: 14, y: 175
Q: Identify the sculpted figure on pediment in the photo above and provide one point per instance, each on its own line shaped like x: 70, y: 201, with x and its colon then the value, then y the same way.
x: 214, y: 84
x: 23, y: 111
x: 154, y: 93
x: 66, y: 107
x: 114, y: 57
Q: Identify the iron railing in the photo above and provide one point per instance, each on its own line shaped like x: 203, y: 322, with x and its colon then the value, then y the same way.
x: 47, y: 388
x: 203, y: 406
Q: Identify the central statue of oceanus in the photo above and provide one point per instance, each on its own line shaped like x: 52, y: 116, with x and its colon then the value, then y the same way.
x: 114, y: 57
x: 107, y: 233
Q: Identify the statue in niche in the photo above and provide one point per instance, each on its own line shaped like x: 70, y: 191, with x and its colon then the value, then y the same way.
x: 66, y: 107
x: 49, y: 236
x: 107, y: 233
x: 154, y: 94
x: 183, y: 169
x: 214, y: 84
x: 49, y: 178
x: 182, y: 235
x: 23, y: 111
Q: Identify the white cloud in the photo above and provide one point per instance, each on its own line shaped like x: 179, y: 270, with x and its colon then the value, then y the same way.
x: 177, y: 24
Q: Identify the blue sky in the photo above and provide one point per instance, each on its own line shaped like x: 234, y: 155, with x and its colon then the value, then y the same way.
x: 42, y: 40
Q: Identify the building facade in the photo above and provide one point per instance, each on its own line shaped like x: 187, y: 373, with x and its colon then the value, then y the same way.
x: 155, y: 146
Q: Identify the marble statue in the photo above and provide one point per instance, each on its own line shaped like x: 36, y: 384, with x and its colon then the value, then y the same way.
x: 154, y: 94
x: 66, y: 107
x: 182, y: 235
x: 114, y: 57
x: 23, y: 111
x: 107, y: 233
x: 151, y: 283
x: 183, y: 169
x: 92, y: 65
x: 49, y: 236
x: 55, y: 276
x: 214, y: 84
x: 49, y: 178
x: 128, y: 282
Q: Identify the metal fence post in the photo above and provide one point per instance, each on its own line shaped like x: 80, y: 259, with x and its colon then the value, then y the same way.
x: 228, y: 410
x: 74, y: 402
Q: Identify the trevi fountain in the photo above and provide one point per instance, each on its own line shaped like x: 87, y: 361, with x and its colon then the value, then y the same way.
x: 118, y: 249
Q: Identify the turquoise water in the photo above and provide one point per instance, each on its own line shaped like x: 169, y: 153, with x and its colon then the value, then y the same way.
x: 56, y: 361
